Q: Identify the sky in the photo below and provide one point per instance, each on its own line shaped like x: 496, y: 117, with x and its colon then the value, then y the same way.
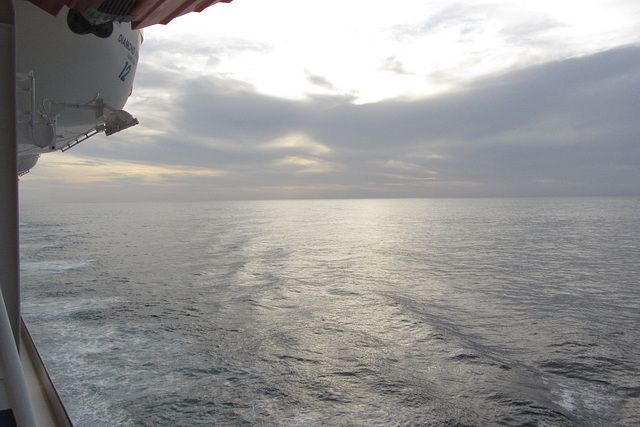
x: 284, y: 99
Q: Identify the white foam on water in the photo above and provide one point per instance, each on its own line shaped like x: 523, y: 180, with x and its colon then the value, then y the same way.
x: 55, y: 266
x: 104, y: 354
x: 566, y: 399
x: 581, y: 398
x: 47, y: 309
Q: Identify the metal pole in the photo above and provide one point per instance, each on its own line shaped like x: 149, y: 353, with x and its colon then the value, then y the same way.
x: 9, y: 252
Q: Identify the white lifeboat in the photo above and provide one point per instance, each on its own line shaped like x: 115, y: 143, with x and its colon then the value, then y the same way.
x: 70, y: 85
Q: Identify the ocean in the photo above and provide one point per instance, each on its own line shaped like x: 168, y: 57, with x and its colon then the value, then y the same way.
x: 395, y: 312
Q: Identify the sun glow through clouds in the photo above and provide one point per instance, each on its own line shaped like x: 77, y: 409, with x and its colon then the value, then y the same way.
x: 435, y: 44
x: 378, y: 99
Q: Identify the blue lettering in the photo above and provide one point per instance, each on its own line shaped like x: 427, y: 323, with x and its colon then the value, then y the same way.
x: 128, y: 45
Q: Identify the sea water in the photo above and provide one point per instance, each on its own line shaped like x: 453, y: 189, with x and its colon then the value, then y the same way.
x: 338, y: 312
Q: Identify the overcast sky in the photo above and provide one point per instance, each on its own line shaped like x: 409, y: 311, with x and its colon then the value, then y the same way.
x: 371, y: 98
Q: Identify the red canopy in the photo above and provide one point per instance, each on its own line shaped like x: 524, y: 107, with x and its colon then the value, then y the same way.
x: 141, y: 13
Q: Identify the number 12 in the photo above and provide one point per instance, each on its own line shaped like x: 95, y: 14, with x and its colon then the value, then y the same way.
x: 125, y: 71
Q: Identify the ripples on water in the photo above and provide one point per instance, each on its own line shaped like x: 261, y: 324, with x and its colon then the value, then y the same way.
x: 358, y: 312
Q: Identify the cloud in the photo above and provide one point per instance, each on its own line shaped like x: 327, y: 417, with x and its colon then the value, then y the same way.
x: 562, y: 128
x: 394, y: 66
x: 319, y: 80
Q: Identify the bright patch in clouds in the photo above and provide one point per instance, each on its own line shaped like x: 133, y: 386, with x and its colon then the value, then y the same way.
x: 300, y: 142
x: 380, y: 49
x: 70, y: 169
x: 305, y: 165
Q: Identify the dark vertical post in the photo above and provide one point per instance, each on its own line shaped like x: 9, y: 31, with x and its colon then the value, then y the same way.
x: 9, y: 250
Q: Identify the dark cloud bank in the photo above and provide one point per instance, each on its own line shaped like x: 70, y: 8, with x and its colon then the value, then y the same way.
x: 564, y: 128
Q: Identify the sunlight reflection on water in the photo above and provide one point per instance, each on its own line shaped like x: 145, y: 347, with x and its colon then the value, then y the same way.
x: 332, y: 311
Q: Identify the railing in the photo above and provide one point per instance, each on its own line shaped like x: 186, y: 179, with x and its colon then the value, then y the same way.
x: 54, y: 403
x: 14, y: 381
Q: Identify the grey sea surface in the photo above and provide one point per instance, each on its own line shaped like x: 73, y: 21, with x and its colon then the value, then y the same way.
x: 393, y: 312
